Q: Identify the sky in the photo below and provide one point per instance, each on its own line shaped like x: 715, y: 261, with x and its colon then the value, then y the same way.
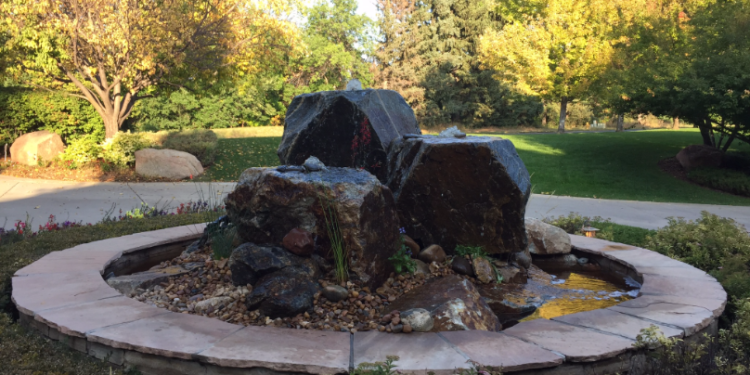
x: 367, y: 7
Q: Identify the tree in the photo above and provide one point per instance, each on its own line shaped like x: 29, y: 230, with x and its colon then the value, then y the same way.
x: 336, y: 41
x: 397, y: 54
x: 556, y: 53
x: 114, y: 52
x: 691, y: 59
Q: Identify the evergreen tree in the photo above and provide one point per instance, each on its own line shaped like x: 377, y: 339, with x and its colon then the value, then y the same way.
x: 457, y: 89
x: 398, y: 59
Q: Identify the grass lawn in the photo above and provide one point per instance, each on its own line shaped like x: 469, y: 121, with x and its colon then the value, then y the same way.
x: 614, y: 166
x: 596, y: 165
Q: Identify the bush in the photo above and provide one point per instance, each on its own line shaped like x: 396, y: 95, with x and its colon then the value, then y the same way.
x: 200, y: 143
x: 82, y: 150
x: 24, y: 110
x: 724, y: 179
x: 121, y: 149
x: 719, y: 246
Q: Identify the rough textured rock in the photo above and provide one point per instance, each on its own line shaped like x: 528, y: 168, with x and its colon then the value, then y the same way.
x: 422, y: 267
x: 454, y: 191
x: 29, y: 148
x: 250, y: 262
x: 346, y: 128
x: 512, y: 274
x: 454, y: 305
x: 556, y: 262
x: 287, y: 292
x: 127, y: 284
x: 172, y: 164
x: 299, y: 242
x: 522, y: 258
x: 432, y: 253
x: 462, y: 266
x: 483, y: 270
x: 546, y: 239
x: 335, y: 293
x: 695, y: 156
x: 419, y: 319
x: 267, y: 204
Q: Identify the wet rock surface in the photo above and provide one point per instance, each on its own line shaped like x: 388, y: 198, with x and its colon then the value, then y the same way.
x: 267, y: 204
x: 546, y: 239
x: 453, y: 191
x: 453, y: 303
x: 346, y: 128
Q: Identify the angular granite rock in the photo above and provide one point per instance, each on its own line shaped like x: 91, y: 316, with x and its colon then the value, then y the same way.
x: 546, y: 239
x: 250, y: 262
x: 346, y: 128
x: 461, y: 191
x: 287, y: 292
x: 267, y: 204
x: 453, y: 302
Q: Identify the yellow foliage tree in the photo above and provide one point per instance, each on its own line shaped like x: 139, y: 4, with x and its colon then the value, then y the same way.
x: 114, y: 52
x: 556, y: 53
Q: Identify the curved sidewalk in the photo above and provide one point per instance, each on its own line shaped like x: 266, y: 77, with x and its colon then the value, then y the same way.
x: 89, y: 201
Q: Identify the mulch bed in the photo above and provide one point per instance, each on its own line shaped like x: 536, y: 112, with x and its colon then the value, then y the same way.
x: 674, y: 169
x: 89, y: 173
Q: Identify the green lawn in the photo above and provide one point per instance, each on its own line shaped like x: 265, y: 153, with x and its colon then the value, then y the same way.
x: 614, y: 166
x: 601, y: 165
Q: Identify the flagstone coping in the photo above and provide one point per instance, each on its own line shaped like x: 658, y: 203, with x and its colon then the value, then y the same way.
x: 64, y: 296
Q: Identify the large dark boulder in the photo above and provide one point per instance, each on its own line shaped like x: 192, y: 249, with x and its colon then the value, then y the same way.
x: 249, y: 262
x: 454, y: 304
x: 287, y: 292
x: 461, y: 191
x: 695, y: 156
x: 267, y: 204
x: 346, y: 128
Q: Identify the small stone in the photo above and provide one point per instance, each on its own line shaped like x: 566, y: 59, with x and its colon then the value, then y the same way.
x: 381, y: 328
x: 397, y: 328
x: 313, y: 164
x: 422, y: 268
x: 335, y: 293
x: 583, y: 261
x: 462, y: 266
x: 355, y: 293
x: 407, y: 328
x: 452, y: 132
x: 418, y: 319
x: 299, y: 242
x: 483, y: 270
x: 395, y: 320
x: 523, y: 259
x: 433, y: 253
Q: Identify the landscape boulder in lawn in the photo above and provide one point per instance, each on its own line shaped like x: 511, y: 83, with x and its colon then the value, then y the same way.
x: 346, y: 128
x: 171, y: 164
x: 453, y: 303
x: 546, y: 239
x: 695, y: 156
x: 461, y: 191
x: 267, y: 204
x: 29, y: 148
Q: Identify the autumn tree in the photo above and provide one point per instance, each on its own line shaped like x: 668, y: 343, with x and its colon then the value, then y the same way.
x: 114, y: 52
x: 336, y: 41
x: 553, y: 51
x: 689, y: 59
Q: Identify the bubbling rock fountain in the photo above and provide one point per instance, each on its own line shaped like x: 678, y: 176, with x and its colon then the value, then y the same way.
x: 317, y: 239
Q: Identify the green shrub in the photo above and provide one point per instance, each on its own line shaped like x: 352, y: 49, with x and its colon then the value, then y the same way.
x: 607, y: 230
x: 24, y: 110
x: 719, y: 246
x: 82, y: 150
x: 724, y: 179
x: 121, y: 149
x: 200, y: 143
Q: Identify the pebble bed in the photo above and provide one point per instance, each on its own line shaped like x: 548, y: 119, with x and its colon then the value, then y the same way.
x: 207, y: 290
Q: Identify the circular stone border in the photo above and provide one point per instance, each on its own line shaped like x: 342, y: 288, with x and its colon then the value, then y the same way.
x: 64, y: 296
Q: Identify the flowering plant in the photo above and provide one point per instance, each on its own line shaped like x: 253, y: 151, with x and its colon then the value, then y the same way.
x: 402, y: 259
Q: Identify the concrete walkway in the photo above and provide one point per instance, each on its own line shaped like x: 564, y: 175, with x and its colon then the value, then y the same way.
x: 90, y: 201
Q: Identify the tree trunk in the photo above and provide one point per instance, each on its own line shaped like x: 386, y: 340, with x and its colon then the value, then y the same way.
x: 675, y: 123
x: 563, y: 113
x: 707, y: 133
x: 620, y: 122
x: 110, y: 127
